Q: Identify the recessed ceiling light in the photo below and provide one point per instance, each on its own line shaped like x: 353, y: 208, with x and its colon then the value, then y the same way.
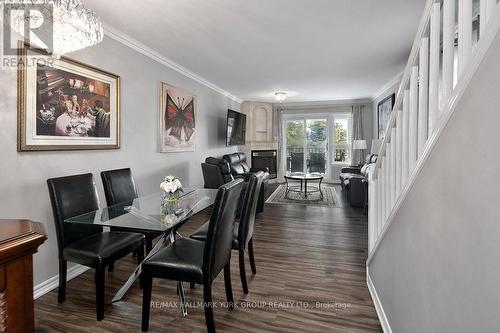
x: 280, y: 96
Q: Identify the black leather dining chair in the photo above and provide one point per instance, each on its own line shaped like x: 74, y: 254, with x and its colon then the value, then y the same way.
x: 119, y: 187
x: 243, y: 230
x: 86, y: 244
x: 195, y: 261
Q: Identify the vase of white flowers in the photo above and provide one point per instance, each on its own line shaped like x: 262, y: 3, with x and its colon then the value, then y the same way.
x: 172, y: 189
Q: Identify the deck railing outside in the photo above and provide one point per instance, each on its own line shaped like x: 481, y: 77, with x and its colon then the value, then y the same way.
x: 315, y: 159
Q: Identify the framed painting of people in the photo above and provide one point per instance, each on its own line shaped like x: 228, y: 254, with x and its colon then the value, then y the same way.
x: 64, y: 104
x: 177, y: 119
x: 384, y: 109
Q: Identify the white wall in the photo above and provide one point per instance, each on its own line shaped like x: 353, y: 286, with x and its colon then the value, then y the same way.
x: 437, y: 269
x: 23, y: 186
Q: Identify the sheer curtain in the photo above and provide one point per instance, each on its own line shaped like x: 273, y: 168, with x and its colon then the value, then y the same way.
x: 357, y: 132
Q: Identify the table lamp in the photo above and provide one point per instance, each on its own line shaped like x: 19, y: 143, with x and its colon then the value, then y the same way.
x: 359, y: 145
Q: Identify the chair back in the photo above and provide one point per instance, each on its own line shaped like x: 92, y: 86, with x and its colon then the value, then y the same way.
x: 217, y: 251
x: 212, y: 175
x: 71, y: 196
x: 249, y: 209
x: 119, y: 186
x: 237, y: 163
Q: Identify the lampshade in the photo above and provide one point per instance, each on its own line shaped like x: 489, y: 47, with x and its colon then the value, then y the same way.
x: 359, y: 144
x: 376, y: 144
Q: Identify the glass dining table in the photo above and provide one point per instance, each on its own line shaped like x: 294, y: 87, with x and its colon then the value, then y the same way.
x: 151, y: 213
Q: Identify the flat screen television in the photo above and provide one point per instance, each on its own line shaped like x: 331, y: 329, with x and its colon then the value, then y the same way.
x: 235, y: 128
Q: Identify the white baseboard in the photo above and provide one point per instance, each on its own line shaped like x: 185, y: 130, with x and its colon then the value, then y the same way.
x: 378, y: 305
x: 52, y: 283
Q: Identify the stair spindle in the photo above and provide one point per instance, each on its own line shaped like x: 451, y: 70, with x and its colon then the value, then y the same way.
x: 379, y: 203
x: 434, y: 55
x: 405, y: 138
x: 399, y: 150
x: 423, y: 95
x: 448, y: 47
x: 464, y: 33
x: 413, y: 130
x: 393, y: 166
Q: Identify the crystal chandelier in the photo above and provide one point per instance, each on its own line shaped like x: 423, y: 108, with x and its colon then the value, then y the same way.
x: 70, y: 25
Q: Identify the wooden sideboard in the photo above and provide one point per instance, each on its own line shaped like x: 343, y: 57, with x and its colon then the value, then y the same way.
x: 19, y: 240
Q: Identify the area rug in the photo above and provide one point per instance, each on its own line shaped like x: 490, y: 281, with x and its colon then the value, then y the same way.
x: 329, y: 199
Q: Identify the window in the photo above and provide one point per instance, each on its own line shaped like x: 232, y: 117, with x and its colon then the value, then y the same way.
x: 342, y: 138
x: 314, y: 141
x: 306, y: 142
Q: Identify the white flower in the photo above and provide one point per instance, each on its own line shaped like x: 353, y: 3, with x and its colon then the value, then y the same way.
x: 168, y: 187
x: 171, y: 184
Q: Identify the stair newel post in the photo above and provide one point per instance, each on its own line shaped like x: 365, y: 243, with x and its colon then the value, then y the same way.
x: 372, y: 199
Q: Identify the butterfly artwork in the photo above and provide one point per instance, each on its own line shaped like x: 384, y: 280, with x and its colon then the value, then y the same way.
x: 178, y: 131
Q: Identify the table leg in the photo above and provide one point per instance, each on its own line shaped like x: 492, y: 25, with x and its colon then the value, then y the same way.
x: 287, y: 188
x: 180, y: 289
x: 137, y: 272
x: 305, y: 188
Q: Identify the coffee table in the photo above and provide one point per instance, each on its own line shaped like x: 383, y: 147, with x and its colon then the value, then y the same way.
x: 303, y: 178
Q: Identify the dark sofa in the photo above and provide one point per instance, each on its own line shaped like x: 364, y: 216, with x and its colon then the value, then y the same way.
x: 239, y: 168
x: 354, y: 181
x: 217, y: 171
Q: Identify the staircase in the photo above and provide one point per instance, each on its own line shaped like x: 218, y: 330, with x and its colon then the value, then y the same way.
x: 453, y: 39
x: 443, y: 60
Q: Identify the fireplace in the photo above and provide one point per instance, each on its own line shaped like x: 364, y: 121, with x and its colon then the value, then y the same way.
x: 266, y: 158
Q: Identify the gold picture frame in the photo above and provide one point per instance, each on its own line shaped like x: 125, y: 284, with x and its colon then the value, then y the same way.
x: 64, y: 104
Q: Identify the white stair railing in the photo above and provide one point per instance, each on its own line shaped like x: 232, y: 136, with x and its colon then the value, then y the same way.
x: 433, y: 73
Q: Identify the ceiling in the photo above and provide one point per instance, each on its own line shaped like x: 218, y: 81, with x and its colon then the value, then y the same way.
x: 316, y: 50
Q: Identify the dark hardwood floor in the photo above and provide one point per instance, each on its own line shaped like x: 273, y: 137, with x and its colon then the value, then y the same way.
x: 310, y: 277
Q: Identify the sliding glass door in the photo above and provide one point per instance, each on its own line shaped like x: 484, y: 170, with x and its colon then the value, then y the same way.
x: 306, y: 144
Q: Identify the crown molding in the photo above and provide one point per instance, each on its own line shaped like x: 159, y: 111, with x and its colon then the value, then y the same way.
x: 134, y: 44
x: 322, y: 104
x: 395, y: 80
